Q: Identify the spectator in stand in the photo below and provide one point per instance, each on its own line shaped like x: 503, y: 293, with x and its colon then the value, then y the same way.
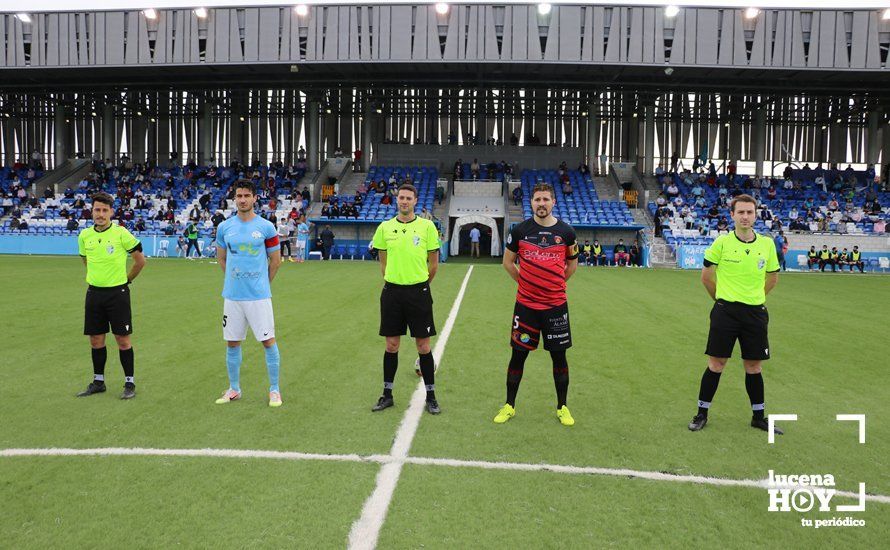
x: 517, y: 195
x: 326, y: 210
x: 357, y: 160
x: 72, y: 224
x: 139, y: 225
x: 620, y: 254
x: 474, y: 169
x: 672, y: 190
x: 567, y: 188
x: 722, y: 224
x: 674, y: 159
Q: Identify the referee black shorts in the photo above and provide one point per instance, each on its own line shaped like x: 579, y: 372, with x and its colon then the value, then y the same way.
x: 731, y: 321
x: 407, y: 306
x: 529, y: 324
x: 108, y: 306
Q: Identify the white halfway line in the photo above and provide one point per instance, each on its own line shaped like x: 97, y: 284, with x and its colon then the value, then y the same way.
x: 365, y: 531
x: 422, y: 461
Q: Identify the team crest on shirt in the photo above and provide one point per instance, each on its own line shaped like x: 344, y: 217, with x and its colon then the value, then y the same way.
x: 416, y: 240
x: 110, y: 249
x: 760, y: 263
x: 256, y: 235
x: 557, y: 239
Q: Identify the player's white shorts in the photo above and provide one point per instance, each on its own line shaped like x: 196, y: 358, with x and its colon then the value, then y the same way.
x: 300, y: 245
x: 237, y: 315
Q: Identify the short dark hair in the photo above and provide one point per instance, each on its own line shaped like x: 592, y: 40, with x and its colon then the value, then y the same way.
x: 104, y: 198
x: 408, y: 187
x: 742, y: 198
x: 245, y: 184
x: 543, y: 188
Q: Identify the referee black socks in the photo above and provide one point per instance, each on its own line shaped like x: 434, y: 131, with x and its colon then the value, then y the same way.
x: 390, y: 366
x: 428, y: 371
x: 99, y: 356
x: 709, y: 382
x: 754, y: 385
x: 126, y: 356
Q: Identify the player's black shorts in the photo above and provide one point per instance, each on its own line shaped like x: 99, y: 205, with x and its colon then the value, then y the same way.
x: 407, y: 306
x: 529, y: 324
x: 108, y: 306
x: 731, y: 321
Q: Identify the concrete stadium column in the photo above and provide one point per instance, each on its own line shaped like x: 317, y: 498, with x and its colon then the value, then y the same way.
x: 204, y: 138
x: 109, y: 140
x: 648, y: 165
x: 872, y: 144
x: 8, y: 142
x: 61, y: 134
x: 837, y: 143
x: 885, y: 154
x: 758, y: 140
x: 369, y: 122
x: 593, y: 127
x: 163, y: 130
x: 238, y: 137
x: 312, y: 137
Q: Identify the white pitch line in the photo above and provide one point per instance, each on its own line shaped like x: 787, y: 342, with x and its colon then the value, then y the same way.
x: 389, y: 460
x: 365, y: 531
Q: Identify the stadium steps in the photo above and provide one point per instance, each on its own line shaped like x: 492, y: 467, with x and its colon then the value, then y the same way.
x: 661, y: 255
x: 351, y: 182
x: 70, y: 172
x: 606, y: 189
x: 651, y: 183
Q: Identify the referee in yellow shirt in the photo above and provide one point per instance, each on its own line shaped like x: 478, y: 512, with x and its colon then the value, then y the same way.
x: 408, y: 246
x: 740, y: 269
x: 104, y: 248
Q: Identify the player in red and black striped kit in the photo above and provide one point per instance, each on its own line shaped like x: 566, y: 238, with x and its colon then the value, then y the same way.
x: 547, y: 254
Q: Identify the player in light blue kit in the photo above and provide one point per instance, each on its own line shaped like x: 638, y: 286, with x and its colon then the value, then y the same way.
x: 249, y: 254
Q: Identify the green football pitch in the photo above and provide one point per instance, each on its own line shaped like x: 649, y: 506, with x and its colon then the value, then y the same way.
x: 301, y: 475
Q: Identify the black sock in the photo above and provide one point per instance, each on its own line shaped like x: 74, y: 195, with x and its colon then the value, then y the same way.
x: 390, y: 366
x: 127, y: 363
x: 514, y: 374
x: 709, y: 381
x: 754, y: 385
x: 428, y: 371
x: 99, y: 356
x: 560, y: 376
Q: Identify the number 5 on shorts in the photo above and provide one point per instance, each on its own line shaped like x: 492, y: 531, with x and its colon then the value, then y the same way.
x: 224, y: 320
x: 516, y: 321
